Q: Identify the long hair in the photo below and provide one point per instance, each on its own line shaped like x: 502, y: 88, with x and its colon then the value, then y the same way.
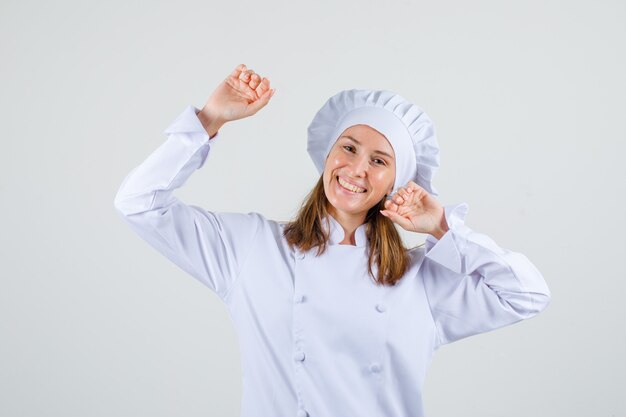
x: 386, y: 249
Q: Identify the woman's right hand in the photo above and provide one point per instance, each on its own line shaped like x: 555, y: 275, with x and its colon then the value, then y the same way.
x: 241, y: 94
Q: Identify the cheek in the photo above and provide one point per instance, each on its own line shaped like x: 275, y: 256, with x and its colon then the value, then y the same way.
x: 334, y: 160
x: 328, y: 171
x: 384, y: 181
x: 389, y: 180
x: 332, y: 163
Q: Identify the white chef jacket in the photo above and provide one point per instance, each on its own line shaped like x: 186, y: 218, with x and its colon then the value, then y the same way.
x: 317, y: 337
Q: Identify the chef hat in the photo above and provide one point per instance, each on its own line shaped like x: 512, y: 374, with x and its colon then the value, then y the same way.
x: 407, y: 128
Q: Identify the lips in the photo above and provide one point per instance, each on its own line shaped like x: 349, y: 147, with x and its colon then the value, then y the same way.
x: 344, y: 180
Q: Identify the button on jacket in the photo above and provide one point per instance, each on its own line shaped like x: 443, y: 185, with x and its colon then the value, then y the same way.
x: 317, y: 336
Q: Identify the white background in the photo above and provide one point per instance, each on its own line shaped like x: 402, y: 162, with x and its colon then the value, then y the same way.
x: 528, y: 99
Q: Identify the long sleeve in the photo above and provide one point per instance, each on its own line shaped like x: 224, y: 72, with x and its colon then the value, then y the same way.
x: 473, y: 285
x: 210, y: 246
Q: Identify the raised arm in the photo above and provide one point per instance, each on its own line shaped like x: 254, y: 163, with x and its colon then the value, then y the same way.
x: 473, y: 285
x: 208, y: 245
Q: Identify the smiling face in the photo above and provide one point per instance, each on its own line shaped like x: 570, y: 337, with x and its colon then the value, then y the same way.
x: 359, y: 171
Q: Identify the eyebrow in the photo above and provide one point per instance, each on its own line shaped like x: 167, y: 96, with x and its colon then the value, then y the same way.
x: 380, y: 152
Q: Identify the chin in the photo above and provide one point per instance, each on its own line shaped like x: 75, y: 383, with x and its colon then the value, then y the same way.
x: 338, y: 203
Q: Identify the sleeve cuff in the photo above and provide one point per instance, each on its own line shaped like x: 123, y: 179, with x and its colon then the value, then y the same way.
x: 447, y: 250
x: 190, y: 131
x: 188, y: 122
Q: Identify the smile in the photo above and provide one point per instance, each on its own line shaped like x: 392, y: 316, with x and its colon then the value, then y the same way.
x: 349, y: 187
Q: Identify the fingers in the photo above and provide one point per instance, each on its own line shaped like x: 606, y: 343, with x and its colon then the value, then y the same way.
x: 397, y: 218
x: 239, y: 79
x: 392, y: 215
x: 242, y: 85
x: 253, y: 85
x: 390, y: 205
x: 404, y: 193
x: 414, y: 187
x: 403, y: 200
x: 243, y: 88
x: 241, y: 72
x: 412, y: 191
x: 255, y: 80
x: 401, y: 196
x: 250, y: 85
x: 246, y: 75
x: 261, y: 102
x: 246, y: 79
x: 237, y: 71
x: 264, y: 85
x: 251, y: 78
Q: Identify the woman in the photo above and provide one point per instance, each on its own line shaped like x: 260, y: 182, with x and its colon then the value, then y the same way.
x: 335, y: 318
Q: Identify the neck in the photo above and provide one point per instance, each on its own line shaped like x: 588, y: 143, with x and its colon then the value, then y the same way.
x: 349, y: 223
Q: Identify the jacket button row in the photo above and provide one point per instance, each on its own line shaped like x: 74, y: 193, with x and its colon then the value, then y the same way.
x: 381, y: 307
x: 300, y: 256
x: 302, y: 413
x: 300, y: 298
x: 299, y: 356
x: 375, y: 367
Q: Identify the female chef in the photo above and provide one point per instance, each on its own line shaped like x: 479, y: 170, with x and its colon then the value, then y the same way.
x: 335, y: 318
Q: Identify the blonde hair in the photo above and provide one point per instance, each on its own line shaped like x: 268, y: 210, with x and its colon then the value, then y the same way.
x: 385, y: 243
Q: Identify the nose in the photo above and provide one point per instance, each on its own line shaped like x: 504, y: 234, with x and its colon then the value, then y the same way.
x: 359, y: 166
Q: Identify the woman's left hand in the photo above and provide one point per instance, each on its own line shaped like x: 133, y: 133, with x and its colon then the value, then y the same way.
x: 416, y: 211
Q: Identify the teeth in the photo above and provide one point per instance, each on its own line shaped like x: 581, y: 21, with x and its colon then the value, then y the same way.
x: 350, y: 186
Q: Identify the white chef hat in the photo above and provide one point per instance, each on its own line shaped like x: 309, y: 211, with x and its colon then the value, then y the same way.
x: 407, y: 128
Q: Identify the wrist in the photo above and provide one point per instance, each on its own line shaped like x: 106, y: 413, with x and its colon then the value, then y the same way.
x: 210, y: 123
x: 442, y: 228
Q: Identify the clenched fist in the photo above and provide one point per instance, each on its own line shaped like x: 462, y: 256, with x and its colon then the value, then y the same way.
x: 416, y: 211
x: 241, y: 94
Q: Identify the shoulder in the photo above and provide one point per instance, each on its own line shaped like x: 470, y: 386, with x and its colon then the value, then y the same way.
x: 264, y: 226
x: 244, y: 223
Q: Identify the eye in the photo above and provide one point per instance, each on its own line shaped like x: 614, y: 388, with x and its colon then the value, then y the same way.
x: 377, y: 161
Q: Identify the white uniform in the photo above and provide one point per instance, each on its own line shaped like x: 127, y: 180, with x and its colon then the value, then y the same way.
x: 317, y: 336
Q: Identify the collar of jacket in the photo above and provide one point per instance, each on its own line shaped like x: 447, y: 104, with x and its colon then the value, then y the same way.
x: 337, y: 234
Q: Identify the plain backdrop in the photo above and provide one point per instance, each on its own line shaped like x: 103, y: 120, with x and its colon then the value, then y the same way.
x: 528, y: 100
